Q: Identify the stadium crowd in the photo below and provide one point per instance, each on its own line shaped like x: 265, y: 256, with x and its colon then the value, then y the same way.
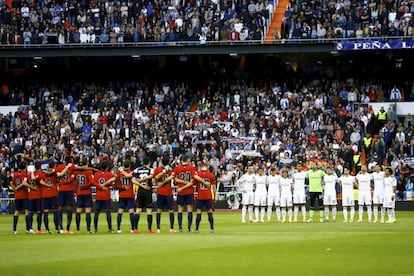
x: 63, y: 22
x: 226, y: 124
x: 339, y: 19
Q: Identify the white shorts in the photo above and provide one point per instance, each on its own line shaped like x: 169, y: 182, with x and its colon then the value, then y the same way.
x: 299, y: 197
x: 260, y: 199
x: 329, y: 199
x: 378, y: 198
x: 348, y: 200
x: 388, y: 202
x: 248, y: 198
x: 273, y: 200
x: 286, y: 200
x: 364, y: 198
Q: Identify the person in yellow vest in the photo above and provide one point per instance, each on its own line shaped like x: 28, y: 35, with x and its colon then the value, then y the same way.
x: 357, y: 162
x: 382, y: 117
x: 367, y: 142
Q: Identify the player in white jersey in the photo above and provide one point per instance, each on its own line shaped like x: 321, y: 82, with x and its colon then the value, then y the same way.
x: 246, y: 185
x: 260, y: 195
x: 273, y: 194
x: 390, y: 187
x: 329, y: 195
x: 378, y: 199
x: 299, y: 196
x: 347, y: 182
x: 364, y: 180
x: 286, y: 185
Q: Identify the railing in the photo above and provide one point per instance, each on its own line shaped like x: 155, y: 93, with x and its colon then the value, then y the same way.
x: 73, y: 45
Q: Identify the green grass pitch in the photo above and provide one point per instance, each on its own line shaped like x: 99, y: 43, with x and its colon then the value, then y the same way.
x: 235, y: 249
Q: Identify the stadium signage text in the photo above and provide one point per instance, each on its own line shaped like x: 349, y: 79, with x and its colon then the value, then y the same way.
x: 375, y: 45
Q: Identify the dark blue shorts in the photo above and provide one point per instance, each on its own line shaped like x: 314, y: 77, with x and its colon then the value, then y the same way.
x: 126, y: 203
x: 50, y: 203
x: 35, y: 205
x: 204, y: 204
x: 21, y: 204
x: 184, y: 200
x: 165, y: 202
x: 66, y: 198
x: 103, y: 205
x: 84, y: 201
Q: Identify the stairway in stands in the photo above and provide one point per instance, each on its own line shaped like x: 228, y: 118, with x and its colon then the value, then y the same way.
x: 277, y: 20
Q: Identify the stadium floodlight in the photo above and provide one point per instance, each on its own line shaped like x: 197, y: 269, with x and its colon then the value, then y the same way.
x: 233, y: 54
x: 37, y: 58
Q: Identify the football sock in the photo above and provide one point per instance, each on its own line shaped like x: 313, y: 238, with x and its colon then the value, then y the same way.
x: 278, y: 212
x: 118, y: 221
x: 382, y: 212
x: 27, y: 218
x: 333, y: 212
x: 326, y: 212
x: 269, y: 212
x: 295, y: 212
x: 88, y: 221
x: 190, y: 220
x: 369, y: 211
x: 290, y: 214
x: 171, y: 220
x: 77, y: 220
x: 95, y: 220
x: 262, y: 213
x: 69, y: 220
x: 198, y: 219
x: 352, y: 213
x: 250, y: 211
x: 15, y: 220
x: 211, y: 220
x: 46, y: 221
x: 303, y: 211
x: 39, y: 221
x: 136, y: 221
x: 30, y: 221
x: 180, y: 220
x: 360, y: 212
x: 283, y: 213
x: 256, y: 213
x: 109, y: 219
x: 158, y: 220
x: 244, y: 209
x: 345, y: 210
x: 131, y: 220
x: 375, y: 212
x: 149, y: 220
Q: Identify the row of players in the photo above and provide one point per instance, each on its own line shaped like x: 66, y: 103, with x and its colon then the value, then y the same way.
x: 288, y: 190
x: 41, y: 192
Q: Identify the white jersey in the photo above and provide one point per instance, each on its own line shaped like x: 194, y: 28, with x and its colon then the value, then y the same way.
x: 246, y: 183
x: 378, y: 178
x: 389, y: 183
x: 364, y: 182
x: 330, y: 183
x: 273, y: 182
x: 261, y: 183
x: 299, y: 181
x: 347, y: 183
x: 286, y: 186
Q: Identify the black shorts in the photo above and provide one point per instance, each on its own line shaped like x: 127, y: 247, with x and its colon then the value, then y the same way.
x: 144, y: 199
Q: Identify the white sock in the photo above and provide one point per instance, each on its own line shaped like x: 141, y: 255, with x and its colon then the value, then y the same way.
x: 369, y: 211
x: 382, y: 213
x: 244, y: 209
x: 283, y: 213
x: 290, y: 214
x: 295, y: 212
x: 256, y: 212
x: 352, y: 213
x: 262, y: 212
x: 345, y: 211
x: 375, y: 209
x: 389, y: 211
x: 334, y: 212
x: 360, y: 212
x: 278, y: 212
x: 250, y: 211
x: 326, y: 212
x: 304, y: 212
x: 269, y: 212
